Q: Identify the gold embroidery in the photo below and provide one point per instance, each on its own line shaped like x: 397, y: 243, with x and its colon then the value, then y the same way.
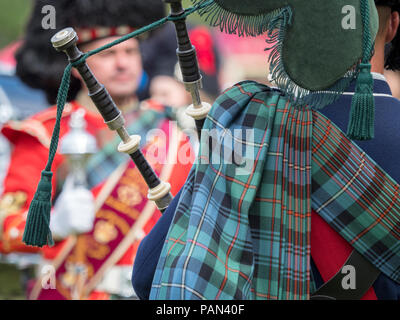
x: 97, y: 251
x: 74, y: 279
x: 114, y: 219
x: 130, y: 181
x: 129, y: 195
x: 86, y: 247
x: 78, y: 256
x: 104, y: 232
x: 62, y: 289
x: 68, y: 279
x: 34, y: 128
x: 12, y: 202
x: 78, y: 269
x: 122, y: 208
x: 133, y: 176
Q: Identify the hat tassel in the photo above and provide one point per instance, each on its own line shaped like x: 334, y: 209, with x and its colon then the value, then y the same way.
x: 362, y: 114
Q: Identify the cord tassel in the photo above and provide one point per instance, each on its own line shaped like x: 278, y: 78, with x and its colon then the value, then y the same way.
x: 362, y: 114
x: 37, y: 228
x: 37, y: 231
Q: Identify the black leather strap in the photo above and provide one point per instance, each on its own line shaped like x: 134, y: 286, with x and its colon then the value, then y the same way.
x: 365, y: 276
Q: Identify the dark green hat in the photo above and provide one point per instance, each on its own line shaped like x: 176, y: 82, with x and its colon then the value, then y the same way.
x: 317, y: 48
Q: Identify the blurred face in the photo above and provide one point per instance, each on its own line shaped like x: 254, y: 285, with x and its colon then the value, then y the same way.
x: 169, y: 92
x: 119, y: 68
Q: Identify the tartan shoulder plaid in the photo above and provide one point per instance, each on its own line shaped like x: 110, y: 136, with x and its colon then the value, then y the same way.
x: 244, y: 236
x: 356, y: 197
x: 243, y: 231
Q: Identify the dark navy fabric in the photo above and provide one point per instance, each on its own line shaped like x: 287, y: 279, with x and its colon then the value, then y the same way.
x: 384, y: 149
x: 316, y: 276
x: 149, y: 251
x: 386, y: 289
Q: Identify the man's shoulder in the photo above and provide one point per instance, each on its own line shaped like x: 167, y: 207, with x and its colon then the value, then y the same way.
x: 383, y: 96
x: 386, y: 99
x: 40, y: 125
x: 50, y: 114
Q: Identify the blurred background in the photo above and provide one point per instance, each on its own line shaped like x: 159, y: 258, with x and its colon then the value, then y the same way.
x: 17, y: 101
x: 239, y: 59
x: 13, y: 15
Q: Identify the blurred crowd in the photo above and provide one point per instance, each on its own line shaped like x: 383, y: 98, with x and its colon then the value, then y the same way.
x: 142, y: 73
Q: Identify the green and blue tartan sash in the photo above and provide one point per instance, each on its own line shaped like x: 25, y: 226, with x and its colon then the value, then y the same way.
x: 238, y: 235
x: 104, y: 162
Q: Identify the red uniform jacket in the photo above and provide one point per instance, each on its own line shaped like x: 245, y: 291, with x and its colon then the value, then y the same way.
x: 30, y: 140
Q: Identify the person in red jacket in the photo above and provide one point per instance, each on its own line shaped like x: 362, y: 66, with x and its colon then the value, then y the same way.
x: 116, y: 209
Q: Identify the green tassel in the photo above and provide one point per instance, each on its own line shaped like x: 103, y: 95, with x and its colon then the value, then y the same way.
x: 37, y: 231
x: 37, y: 228
x: 362, y: 114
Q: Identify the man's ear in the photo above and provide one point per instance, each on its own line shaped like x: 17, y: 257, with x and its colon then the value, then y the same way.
x: 393, y: 26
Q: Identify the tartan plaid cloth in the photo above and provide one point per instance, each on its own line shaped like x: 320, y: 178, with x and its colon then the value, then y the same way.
x: 104, y: 162
x: 247, y: 236
x: 356, y: 197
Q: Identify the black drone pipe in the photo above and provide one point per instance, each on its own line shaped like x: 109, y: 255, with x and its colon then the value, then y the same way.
x: 187, y: 58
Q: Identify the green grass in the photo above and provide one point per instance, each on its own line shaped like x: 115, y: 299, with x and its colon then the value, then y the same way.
x: 13, y: 17
x: 10, y: 283
x: 195, y: 17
